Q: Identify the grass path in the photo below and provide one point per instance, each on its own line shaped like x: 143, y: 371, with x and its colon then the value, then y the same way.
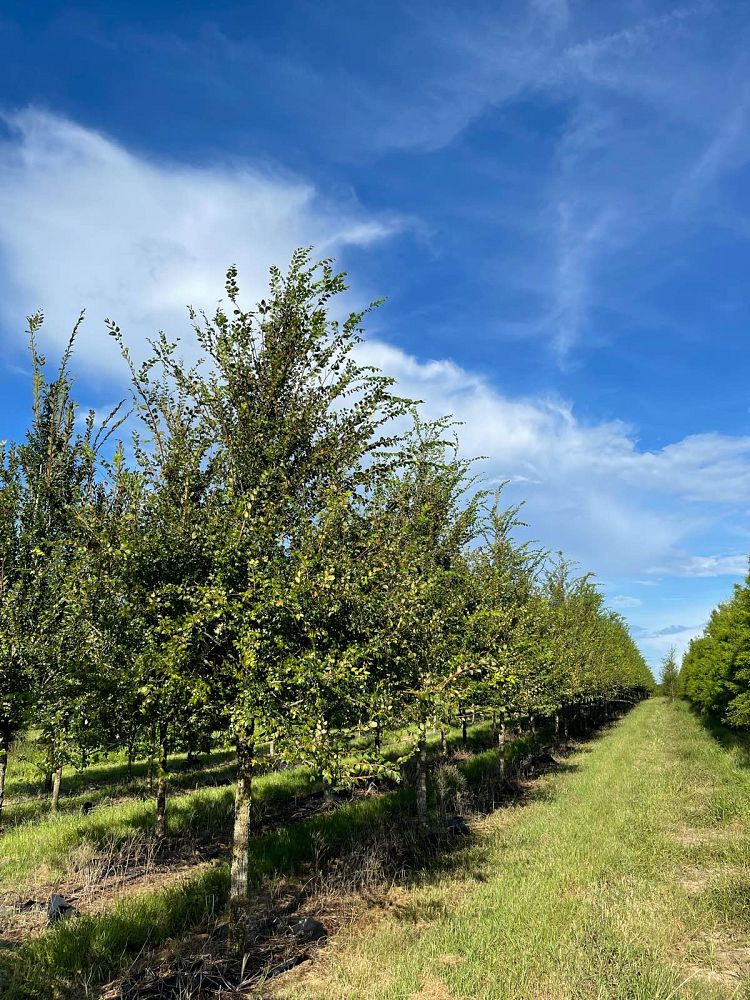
x: 627, y: 878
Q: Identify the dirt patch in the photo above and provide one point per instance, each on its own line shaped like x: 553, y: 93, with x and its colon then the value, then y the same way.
x: 697, y: 878
x: 727, y: 961
x: 702, y: 836
x: 431, y: 989
x: 450, y: 960
x: 283, y: 929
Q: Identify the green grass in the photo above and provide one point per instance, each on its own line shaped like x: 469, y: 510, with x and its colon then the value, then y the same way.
x: 43, y: 850
x: 626, y: 879
x: 101, y: 782
x: 89, y: 949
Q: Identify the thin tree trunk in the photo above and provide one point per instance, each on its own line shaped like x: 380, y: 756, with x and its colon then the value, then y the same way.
x: 557, y: 726
x: 501, y: 750
x: 130, y: 760
x: 4, y: 747
x: 56, y: 782
x: 161, y: 787
x: 463, y: 731
x: 421, y: 786
x: 532, y: 724
x: 150, y: 772
x: 377, y: 736
x: 443, y: 743
x: 240, y: 874
x: 565, y: 723
x: 272, y: 748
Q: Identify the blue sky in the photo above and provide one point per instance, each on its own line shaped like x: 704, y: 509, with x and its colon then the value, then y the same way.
x: 551, y: 194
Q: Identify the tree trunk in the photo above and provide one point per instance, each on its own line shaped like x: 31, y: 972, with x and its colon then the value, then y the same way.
x: 501, y: 750
x: 150, y: 772
x: 557, y: 726
x: 239, y: 886
x: 130, y: 760
x: 443, y: 743
x: 463, y: 731
x: 565, y: 723
x: 532, y: 724
x: 377, y: 736
x: 421, y: 788
x: 161, y: 788
x: 56, y: 781
x: 272, y: 748
x: 4, y: 747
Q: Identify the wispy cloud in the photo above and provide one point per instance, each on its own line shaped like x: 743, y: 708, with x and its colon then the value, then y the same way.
x: 697, y: 566
x: 729, y: 146
x: 579, y: 244
x: 85, y: 222
x: 624, y: 601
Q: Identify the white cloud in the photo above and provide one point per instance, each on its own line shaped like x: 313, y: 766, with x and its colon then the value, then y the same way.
x: 85, y: 222
x: 588, y: 487
x: 735, y: 565
x: 624, y: 601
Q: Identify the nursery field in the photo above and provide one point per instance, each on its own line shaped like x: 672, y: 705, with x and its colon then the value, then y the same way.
x: 615, y: 867
x: 626, y: 876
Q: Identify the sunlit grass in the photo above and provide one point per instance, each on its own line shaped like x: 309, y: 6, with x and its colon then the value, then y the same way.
x: 41, y: 851
x: 582, y: 894
x: 89, y: 949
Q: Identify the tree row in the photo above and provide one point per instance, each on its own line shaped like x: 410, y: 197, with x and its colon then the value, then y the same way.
x: 281, y: 550
x: 715, y: 671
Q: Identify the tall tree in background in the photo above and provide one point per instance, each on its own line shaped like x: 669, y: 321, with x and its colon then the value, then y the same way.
x: 165, y: 553
x: 669, y: 674
x: 436, y: 512
x: 15, y: 675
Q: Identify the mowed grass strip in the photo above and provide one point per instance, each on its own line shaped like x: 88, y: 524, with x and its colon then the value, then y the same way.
x: 588, y: 892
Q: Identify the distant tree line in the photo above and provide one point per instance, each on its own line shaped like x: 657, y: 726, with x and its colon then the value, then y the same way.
x: 285, y: 551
